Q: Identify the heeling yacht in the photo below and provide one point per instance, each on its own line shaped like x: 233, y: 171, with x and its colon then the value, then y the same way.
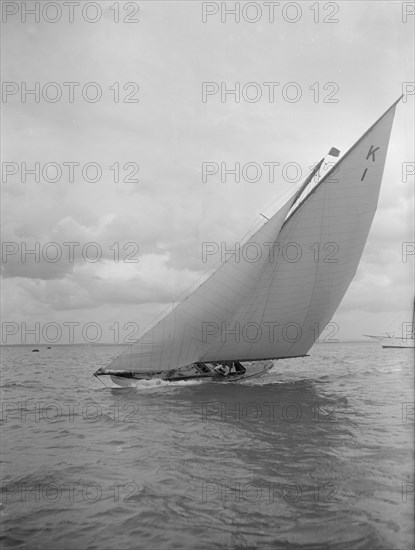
x: 247, y: 314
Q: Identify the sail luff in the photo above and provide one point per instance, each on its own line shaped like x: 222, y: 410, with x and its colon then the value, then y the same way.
x: 307, y: 181
x: 339, y: 162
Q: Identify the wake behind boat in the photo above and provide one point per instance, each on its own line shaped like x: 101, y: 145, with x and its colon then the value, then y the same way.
x: 250, y: 312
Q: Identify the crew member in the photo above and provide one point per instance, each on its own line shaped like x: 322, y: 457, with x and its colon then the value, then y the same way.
x: 222, y: 369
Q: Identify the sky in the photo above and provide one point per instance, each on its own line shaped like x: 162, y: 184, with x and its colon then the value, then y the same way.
x: 144, y: 131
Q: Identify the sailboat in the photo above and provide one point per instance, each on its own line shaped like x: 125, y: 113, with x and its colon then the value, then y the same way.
x: 250, y: 312
x: 389, y: 340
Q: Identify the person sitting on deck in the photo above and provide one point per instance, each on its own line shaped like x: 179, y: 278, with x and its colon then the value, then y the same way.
x: 222, y: 369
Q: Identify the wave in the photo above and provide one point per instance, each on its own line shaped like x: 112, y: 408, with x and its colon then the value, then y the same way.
x: 158, y: 383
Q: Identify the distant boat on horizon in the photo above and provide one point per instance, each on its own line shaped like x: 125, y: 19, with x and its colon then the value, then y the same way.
x: 389, y: 340
x: 247, y: 314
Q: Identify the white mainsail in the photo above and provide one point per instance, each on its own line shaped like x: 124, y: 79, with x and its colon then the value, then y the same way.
x: 274, y: 302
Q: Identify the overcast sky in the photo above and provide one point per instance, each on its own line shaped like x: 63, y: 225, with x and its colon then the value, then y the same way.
x: 367, y: 56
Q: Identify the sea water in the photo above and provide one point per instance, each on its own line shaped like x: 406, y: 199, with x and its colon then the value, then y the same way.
x: 318, y: 453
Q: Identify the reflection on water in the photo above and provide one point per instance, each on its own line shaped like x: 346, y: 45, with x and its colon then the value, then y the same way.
x: 316, y: 454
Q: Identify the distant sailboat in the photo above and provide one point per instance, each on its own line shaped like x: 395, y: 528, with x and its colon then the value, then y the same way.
x: 389, y: 340
x: 249, y: 313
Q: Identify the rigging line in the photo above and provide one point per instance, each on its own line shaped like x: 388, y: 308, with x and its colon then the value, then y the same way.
x: 99, y: 378
x: 331, y: 171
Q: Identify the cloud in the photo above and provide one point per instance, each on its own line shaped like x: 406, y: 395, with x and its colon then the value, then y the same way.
x: 170, y: 132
